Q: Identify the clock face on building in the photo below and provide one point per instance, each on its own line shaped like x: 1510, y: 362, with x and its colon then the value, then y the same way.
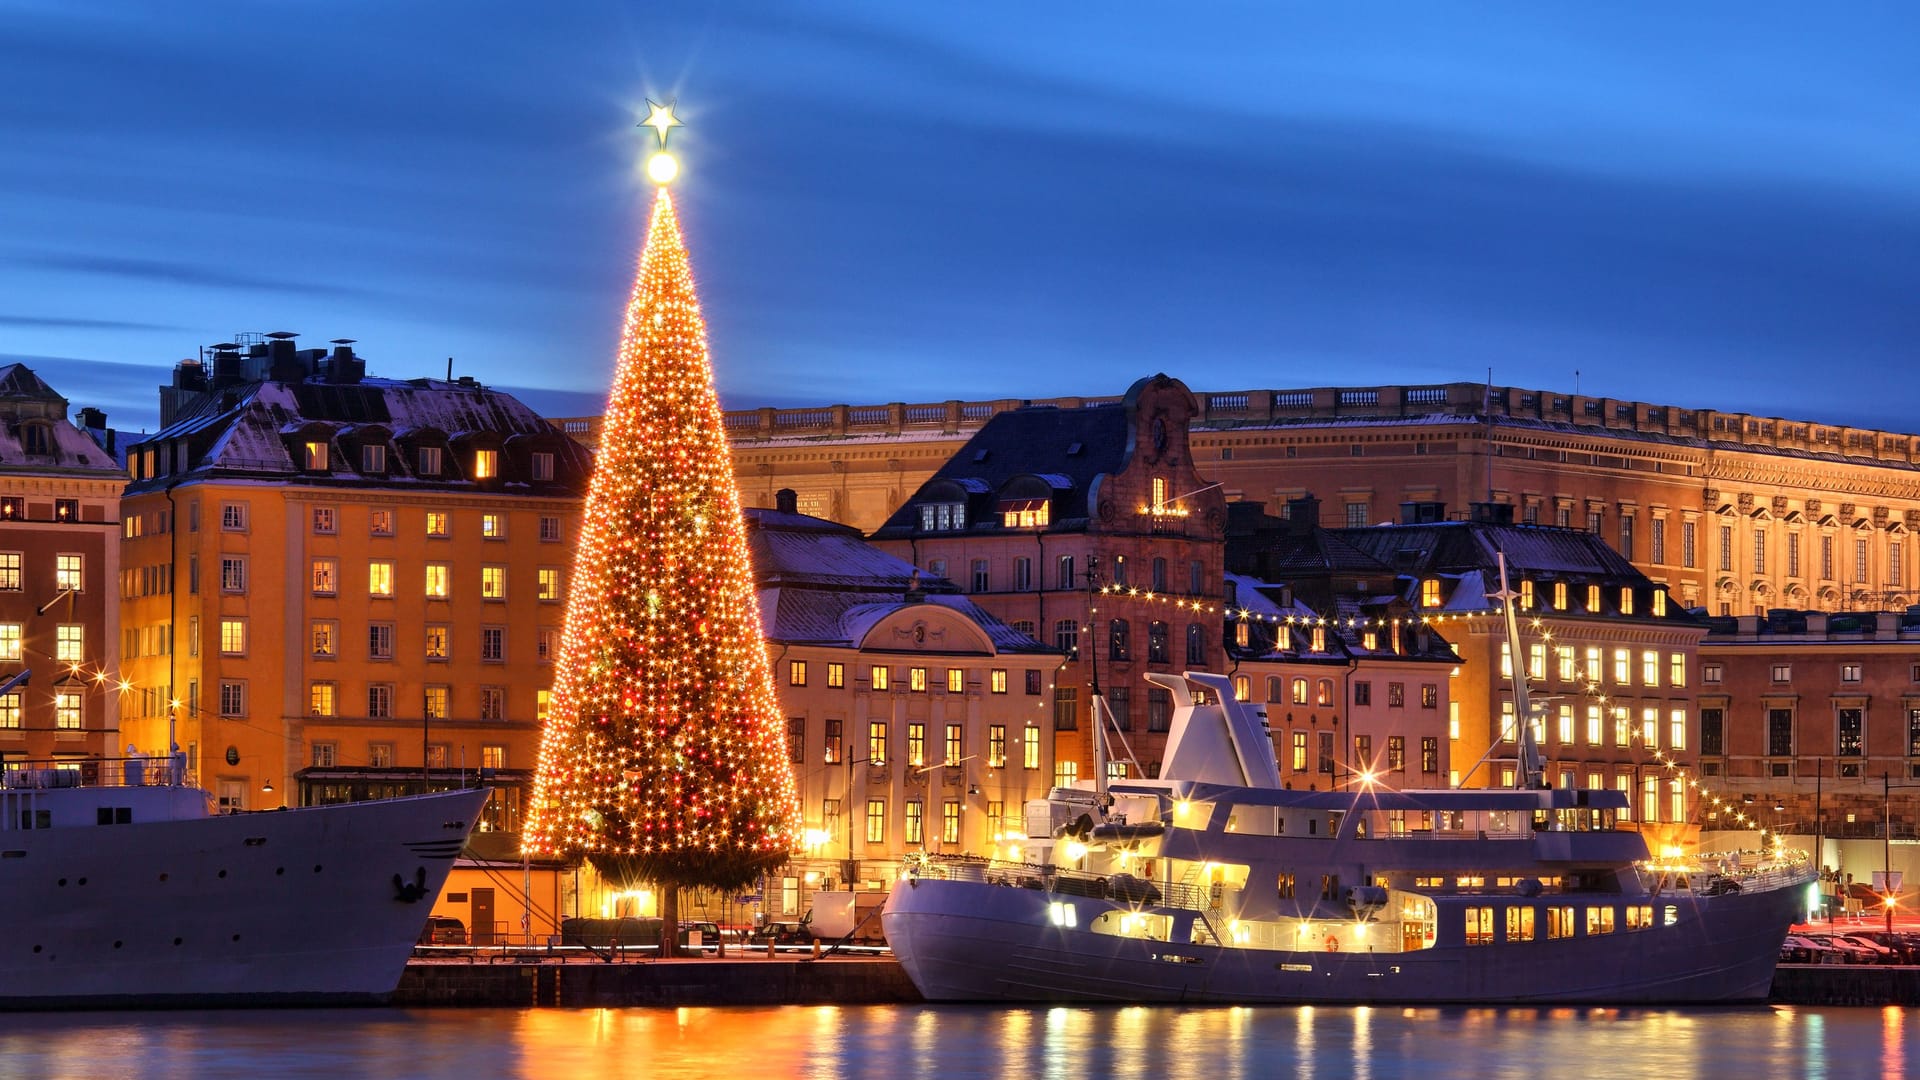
x: 1159, y: 433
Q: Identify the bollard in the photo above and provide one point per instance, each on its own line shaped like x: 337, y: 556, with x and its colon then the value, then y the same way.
x: 816, y: 948
x: 769, y: 948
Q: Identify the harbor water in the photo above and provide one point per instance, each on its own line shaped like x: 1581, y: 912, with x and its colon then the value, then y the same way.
x: 1062, y: 1043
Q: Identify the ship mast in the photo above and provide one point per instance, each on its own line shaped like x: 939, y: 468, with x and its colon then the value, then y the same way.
x: 1532, y: 771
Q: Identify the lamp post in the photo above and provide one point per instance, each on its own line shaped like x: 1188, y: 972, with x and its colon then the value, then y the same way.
x: 852, y: 868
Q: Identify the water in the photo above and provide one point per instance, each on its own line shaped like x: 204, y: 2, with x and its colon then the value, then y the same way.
x: 832, y: 1043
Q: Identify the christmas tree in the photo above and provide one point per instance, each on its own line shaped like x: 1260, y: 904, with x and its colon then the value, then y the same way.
x: 663, y: 759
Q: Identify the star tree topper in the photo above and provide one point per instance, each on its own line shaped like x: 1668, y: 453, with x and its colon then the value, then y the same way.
x: 661, y: 167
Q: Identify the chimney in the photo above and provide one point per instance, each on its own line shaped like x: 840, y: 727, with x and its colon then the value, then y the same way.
x: 786, y: 501
x: 343, y: 366
x: 283, y: 359
x: 1492, y: 513
x: 1303, y: 515
x: 915, y: 594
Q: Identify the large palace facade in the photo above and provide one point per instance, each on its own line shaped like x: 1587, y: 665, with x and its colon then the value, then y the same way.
x: 1734, y: 513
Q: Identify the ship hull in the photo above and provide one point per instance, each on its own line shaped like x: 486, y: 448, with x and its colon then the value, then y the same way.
x: 272, y: 908
x: 974, y: 941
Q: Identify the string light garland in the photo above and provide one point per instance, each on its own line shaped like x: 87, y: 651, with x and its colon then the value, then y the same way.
x: 664, y: 756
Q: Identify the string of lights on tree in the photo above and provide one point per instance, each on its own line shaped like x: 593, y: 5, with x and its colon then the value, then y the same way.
x: 664, y: 751
x: 1674, y: 769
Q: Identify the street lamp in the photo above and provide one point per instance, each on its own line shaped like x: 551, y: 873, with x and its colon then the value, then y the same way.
x: 852, y: 868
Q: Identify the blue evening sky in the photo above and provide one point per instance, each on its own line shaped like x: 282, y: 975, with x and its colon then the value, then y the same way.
x: 1701, y: 204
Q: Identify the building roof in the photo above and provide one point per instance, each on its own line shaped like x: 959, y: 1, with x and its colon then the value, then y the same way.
x: 260, y: 429
x: 821, y: 584
x: 1347, y: 620
x: 36, y: 436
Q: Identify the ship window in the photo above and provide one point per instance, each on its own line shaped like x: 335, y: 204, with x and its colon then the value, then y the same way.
x: 113, y: 815
x: 1479, y: 925
x: 1599, y: 920
x: 1639, y: 916
x: 1519, y: 924
x: 1559, y: 922
x: 1669, y: 915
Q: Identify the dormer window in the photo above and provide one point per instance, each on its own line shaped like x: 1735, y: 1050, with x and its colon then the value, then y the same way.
x: 1430, y: 593
x: 429, y: 461
x: 486, y: 464
x: 36, y: 439
x: 1024, y: 514
x: 943, y: 517
x: 541, y: 464
x: 373, y: 458
x: 1559, y: 596
x: 316, y: 455
x: 1526, y: 594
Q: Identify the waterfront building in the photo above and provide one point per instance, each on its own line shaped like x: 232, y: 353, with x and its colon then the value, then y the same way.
x: 1044, y: 506
x: 914, y: 719
x: 1610, y: 655
x: 1354, y: 684
x: 339, y: 586
x: 1735, y: 513
x: 59, y: 561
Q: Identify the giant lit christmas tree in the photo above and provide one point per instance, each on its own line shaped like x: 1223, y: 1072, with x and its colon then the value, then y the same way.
x: 663, y: 758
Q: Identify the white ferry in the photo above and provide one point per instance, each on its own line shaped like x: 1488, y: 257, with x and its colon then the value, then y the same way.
x: 1216, y: 884
x: 120, y: 887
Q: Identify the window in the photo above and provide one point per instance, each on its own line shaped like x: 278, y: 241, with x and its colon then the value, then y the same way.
x: 1429, y: 754
x: 493, y: 583
x: 832, y: 742
x: 1593, y: 598
x: 380, y: 577
x: 1063, y: 572
x: 1726, y: 547
x: 1526, y: 594
x: 486, y: 464
x: 952, y: 754
x: 316, y: 454
x: 10, y: 571
x: 1519, y: 923
x: 550, y: 530
x: 1626, y: 600
x: 380, y: 522
x: 233, y: 517
x: 1593, y: 521
x: 1537, y: 661
x: 326, y: 577
x: 540, y: 464
x: 548, y: 584
x: 1649, y: 668
x: 493, y: 526
x: 70, y: 643
x: 950, y: 822
x: 1022, y: 574
x: 1677, y: 729
x: 325, y: 520
x: 836, y: 676
x: 69, y: 710
x: 1780, y: 732
x: 1479, y: 925
x: 1119, y: 569
x: 956, y: 680
x: 437, y: 701
x: 1323, y: 758
x: 380, y: 641
x: 1299, y: 758
x: 1560, y: 596
x: 1357, y: 515
x: 1299, y: 694
x: 1429, y: 695
x: 796, y: 673
x: 439, y: 638
x: 1157, y: 646
x: 914, y: 822
x: 1848, y: 742
x: 326, y: 638
x: 1826, y: 558
x: 493, y: 643
x: 1677, y: 669
x: 1430, y: 593
x: 1196, y: 645
x: 1563, y: 659
x: 1362, y: 691
x: 997, y: 746
x: 233, y: 699
x: 916, y: 744
x: 380, y: 701
x: 1323, y: 692
x: 797, y: 740
x: 1712, y: 732
x: 438, y: 575
x: 1781, y: 673
x: 493, y: 703
x: 10, y: 634
x: 322, y: 699
x: 1560, y: 922
x: 917, y: 680
x: 1913, y: 732
x: 1066, y: 708
x: 10, y: 710
x: 876, y: 821
x: 233, y: 637
x: 1117, y: 639
x: 1849, y: 673
x: 428, y: 461
x: 997, y: 681
x: 1396, y: 695
x: 69, y: 572
x: 1622, y: 666
x: 1066, y: 773
x: 1030, y: 748
x: 1793, y: 554
x: 1066, y: 636
x: 877, y: 676
x: 982, y: 578
x: 373, y: 458
x: 1860, y: 561
x: 546, y: 641
x: 1158, y: 575
x: 943, y: 517
x: 1599, y: 920
x: 493, y: 756
x: 1659, y: 540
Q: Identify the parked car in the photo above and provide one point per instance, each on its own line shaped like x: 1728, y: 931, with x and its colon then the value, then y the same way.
x: 443, y: 930
x: 1852, y: 952
x: 780, y: 933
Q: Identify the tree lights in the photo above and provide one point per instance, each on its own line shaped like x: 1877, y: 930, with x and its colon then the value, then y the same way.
x: 664, y: 757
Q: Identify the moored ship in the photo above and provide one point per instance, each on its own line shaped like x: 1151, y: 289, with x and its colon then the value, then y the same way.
x: 1215, y: 883
x: 120, y: 887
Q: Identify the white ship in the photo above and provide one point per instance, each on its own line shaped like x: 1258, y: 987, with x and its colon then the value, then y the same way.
x: 120, y: 887
x: 1216, y: 884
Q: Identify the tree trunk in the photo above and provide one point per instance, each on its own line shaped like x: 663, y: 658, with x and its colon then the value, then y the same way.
x: 669, y: 920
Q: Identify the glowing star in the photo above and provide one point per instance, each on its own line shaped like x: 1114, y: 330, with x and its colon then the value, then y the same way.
x: 660, y: 118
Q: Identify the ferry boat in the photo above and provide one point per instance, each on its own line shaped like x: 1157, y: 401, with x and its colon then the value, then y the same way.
x: 1216, y: 884
x: 120, y: 887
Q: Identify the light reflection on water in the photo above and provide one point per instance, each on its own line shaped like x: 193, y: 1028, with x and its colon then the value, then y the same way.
x: 832, y: 1043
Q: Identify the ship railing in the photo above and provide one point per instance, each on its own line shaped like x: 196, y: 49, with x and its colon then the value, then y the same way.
x: 1054, y: 879
x: 49, y: 774
x: 1713, y: 873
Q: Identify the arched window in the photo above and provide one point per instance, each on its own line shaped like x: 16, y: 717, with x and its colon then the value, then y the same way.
x: 1066, y: 636
x: 1273, y: 689
x: 1159, y: 575
x: 1117, y: 639
x: 1299, y: 691
x: 1323, y: 692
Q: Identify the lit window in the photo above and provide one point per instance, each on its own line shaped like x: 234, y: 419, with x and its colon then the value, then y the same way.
x: 233, y: 637
x: 317, y: 456
x: 10, y: 571
x: 1030, y: 748
x: 542, y: 705
x: 486, y: 464
x: 438, y: 637
x: 380, y: 522
x: 438, y: 523
x: 1526, y: 594
x: 326, y: 638
x: 493, y: 756
x: 436, y: 700
x: 68, y: 710
x: 493, y: 526
x: 10, y: 641
x: 324, y: 519
x: 549, y: 583
x: 322, y: 699
x: 493, y: 583
x: 876, y: 821
x: 997, y: 681
x: 836, y: 676
x: 917, y: 680
x: 879, y: 677
x: 1560, y: 596
x: 380, y: 578
x: 10, y: 710
x: 69, y: 572
x: 70, y: 643
x: 326, y: 573
x: 956, y: 680
x: 437, y: 580
x: 1430, y: 593
x: 797, y: 673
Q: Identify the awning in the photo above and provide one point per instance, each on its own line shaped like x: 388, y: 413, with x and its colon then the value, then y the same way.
x: 1020, y: 506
